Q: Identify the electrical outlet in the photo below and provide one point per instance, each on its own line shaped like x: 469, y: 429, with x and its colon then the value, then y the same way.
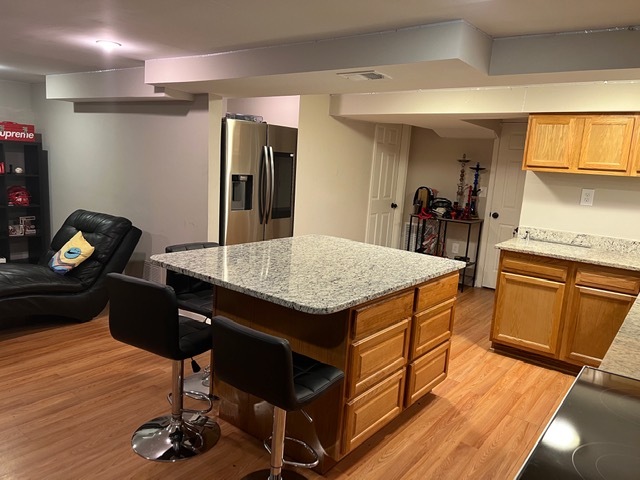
x: 455, y: 248
x: 587, y: 196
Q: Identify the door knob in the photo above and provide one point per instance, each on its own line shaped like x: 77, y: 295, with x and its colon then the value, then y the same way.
x: 394, y: 205
x: 495, y: 215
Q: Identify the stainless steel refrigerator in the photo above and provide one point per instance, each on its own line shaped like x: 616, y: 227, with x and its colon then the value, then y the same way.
x: 258, y: 166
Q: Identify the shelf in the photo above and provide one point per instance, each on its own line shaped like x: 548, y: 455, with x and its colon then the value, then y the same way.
x: 441, y: 240
x: 12, y: 237
x: 33, y: 160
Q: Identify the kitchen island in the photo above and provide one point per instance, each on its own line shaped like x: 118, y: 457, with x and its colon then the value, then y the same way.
x: 383, y: 316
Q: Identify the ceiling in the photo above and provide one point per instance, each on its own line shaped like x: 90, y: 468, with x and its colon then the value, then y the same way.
x: 44, y: 37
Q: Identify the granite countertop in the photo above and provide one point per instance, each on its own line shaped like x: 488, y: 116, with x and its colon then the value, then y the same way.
x: 623, y: 356
x: 312, y: 273
x: 593, y: 255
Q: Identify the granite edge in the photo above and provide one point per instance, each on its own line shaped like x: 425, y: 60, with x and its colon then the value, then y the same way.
x: 455, y: 266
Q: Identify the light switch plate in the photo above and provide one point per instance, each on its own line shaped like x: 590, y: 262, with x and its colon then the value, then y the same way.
x: 586, y: 198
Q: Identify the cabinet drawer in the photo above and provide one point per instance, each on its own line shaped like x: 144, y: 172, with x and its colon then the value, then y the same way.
x: 431, y: 327
x: 368, y: 413
x: 526, y: 264
x: 376, y: 356
x: 437, y: 291
x: 612, y: 280
x: 379, y: 315
x: 427, y: 372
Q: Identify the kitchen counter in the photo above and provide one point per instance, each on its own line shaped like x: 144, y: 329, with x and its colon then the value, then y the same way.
x: 623, y: 356
x: 593, y: 255
x: 312, y: 273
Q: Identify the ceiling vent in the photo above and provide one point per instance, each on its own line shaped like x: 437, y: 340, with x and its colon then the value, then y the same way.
x: 363, y: 75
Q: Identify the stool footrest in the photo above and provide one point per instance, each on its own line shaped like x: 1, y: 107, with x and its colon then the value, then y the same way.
x: 196, y: 396
x: 309, y: 450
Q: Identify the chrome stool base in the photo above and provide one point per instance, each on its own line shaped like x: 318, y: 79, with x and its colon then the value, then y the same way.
x: 165, y: 439
x: 266, y: 475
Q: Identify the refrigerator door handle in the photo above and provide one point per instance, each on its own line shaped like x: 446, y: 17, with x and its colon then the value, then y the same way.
x: 262, y: 185
x: 272, y: 181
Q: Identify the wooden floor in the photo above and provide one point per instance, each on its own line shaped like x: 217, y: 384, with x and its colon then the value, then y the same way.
x: 72, y: 396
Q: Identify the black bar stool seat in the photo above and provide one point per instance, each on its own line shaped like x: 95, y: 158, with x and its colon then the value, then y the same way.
x: 263, y: 365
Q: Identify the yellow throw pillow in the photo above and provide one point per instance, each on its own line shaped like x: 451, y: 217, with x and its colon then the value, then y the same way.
x: 72, y: 254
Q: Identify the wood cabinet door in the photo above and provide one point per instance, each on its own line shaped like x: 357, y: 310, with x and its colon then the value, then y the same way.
x: 528, y: 313
x: 606, y: 143
x: 635, y: 149
x: 594, y: 320
x: 553, y: 142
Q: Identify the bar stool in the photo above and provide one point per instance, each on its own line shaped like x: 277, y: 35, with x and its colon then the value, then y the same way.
x: 264, y: 365
x: 193, y: 294
x: 196, y: 296
x: 145, y: 315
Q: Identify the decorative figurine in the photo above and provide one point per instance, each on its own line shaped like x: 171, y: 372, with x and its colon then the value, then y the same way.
x: 460, y: 193
x: 473, y: 203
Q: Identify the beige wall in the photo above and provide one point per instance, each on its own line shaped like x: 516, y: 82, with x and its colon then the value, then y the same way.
x: 333, y: 172
x: 433, y: 163
x: 552, y: 200
x: 147, y: 162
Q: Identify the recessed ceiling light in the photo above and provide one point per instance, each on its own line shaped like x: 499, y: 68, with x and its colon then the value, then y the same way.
x: 108, y: 45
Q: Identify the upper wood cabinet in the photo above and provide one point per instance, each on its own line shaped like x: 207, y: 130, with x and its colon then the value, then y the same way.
x: 553, y: 142
x: 590, y: 144
x: 635, y: 150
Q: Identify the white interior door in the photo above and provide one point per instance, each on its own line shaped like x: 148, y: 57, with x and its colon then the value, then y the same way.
x: 385, y: 208
x: 506, y: 200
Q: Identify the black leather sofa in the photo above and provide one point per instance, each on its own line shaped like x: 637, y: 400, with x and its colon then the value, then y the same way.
x: 34, y: 290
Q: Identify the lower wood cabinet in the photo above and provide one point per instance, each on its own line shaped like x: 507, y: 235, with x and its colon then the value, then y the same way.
x: 569, y: 312
x: 528, y: 313
x: 399, y: 351
x: 600, y: 301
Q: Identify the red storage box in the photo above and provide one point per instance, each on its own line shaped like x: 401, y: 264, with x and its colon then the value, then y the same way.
x: 17, y: 132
